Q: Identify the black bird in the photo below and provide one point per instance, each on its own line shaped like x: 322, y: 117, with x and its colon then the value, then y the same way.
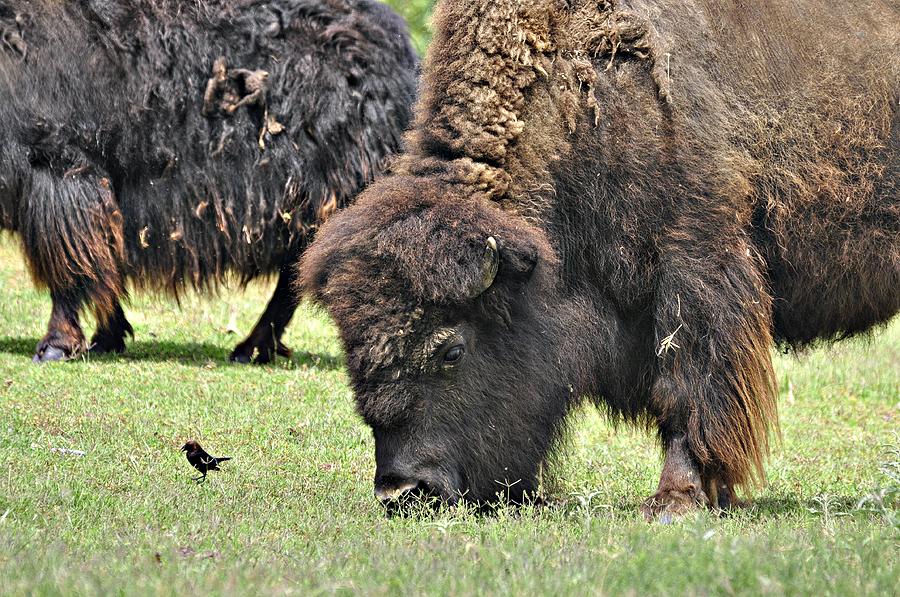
x: 200, y: 460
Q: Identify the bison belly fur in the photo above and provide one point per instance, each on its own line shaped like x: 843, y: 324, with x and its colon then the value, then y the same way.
x: 627, y: 201
x: 167, y: 143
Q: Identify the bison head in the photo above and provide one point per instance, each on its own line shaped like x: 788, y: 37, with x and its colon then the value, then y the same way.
x: 446, y: 311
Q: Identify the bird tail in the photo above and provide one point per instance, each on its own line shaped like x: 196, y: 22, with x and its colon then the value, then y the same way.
x: 223, y: 458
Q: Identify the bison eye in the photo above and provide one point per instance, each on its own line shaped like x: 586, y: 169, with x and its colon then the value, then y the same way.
x: 454, y: 355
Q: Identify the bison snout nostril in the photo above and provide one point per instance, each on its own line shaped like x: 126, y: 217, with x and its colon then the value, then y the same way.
x: 395, y: 492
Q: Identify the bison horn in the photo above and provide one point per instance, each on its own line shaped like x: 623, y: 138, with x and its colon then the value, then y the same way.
x: 489, y: 265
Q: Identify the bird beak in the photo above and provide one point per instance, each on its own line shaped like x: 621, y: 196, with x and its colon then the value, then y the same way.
x: 184, y: 448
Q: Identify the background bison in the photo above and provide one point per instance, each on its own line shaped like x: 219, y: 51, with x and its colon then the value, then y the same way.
x: 627, y: 201
x: 167, y: 142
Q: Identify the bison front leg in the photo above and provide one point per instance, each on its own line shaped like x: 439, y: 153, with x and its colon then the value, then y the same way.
x: 680, y: 488
x: 111, y: 332
x: 714, y: 391
x: 684, y: 487
x: 264, y: 342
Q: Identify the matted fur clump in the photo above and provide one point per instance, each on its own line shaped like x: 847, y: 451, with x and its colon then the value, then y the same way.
x: 628, y: 201
x: 166, y: 143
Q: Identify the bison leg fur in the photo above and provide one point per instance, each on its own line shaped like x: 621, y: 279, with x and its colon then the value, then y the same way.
x: 714, y: 392
x: 111, y: 332
x: 264, y: 342
x: 73, y: 242
x: 64, y: 338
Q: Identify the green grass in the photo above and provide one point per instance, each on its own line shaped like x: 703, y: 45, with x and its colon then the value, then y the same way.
x: 294, y: 511
x: 418, y: 15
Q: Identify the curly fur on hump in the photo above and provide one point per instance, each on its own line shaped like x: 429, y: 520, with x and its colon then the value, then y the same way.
x: 167, y: 142
x: 475, y: 108
x: 713, y: 177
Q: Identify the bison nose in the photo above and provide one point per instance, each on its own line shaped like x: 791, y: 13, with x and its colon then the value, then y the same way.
x: 394, y: 491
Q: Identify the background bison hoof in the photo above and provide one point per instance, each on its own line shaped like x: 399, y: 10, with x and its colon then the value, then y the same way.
x: 106, y: 345
x: 239, y: 356
x: 259, y: 354
x: 110, y: 338
x: 48, y: 354
x: 98, y: 348
x: 668, y: 505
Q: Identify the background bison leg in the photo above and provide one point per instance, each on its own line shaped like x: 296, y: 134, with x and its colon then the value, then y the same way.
x: 264, y: 342
x: 64, y: 338
x: 73, y: 242
x: 111, y: 332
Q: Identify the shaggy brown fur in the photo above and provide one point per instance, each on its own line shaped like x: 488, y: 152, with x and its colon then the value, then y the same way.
x: 675, y: 184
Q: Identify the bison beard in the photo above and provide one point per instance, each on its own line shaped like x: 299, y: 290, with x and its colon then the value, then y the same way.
x: 167, y: 143
x: 668, y: 196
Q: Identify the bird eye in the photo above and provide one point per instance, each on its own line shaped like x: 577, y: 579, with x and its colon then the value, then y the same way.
x: 454, y: 355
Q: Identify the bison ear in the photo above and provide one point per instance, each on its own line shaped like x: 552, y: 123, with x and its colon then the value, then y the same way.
x: 517, y: 261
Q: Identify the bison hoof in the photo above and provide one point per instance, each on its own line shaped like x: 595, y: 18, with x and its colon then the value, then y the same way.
x: 48, y: 354
x: 668, y: 505
x: 240, y: 357
x: 247, y: 352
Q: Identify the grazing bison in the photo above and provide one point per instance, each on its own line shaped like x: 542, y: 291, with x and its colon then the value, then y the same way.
x: 624, y: 200
x: 167, y: 143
